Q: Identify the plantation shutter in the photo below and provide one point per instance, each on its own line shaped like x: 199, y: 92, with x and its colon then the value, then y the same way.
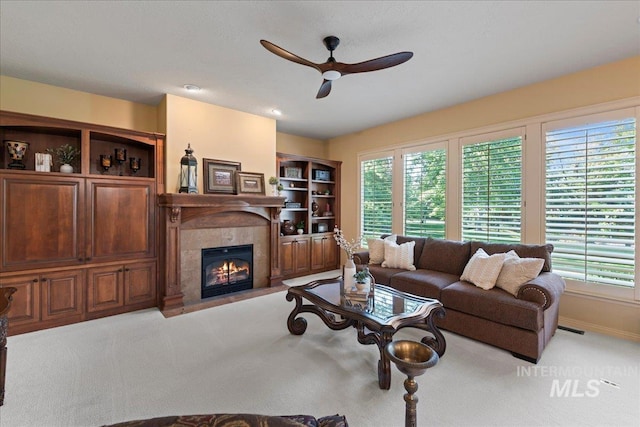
x: 491, y: 190
x: 425, y: 193
x: 590, y: 201
x: 376, y: 204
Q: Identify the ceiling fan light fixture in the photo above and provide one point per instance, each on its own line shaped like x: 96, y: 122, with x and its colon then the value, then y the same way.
x: 331, y: 75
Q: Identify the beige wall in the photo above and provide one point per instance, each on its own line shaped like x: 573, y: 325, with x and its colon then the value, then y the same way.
x: 23, y: 96
x: 300, y: 145
x: 217, y: 133
x: 610, y: 82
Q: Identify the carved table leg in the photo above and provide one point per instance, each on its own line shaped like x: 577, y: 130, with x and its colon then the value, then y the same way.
x: 296, y: 326
x: 438, y: 343
x: 384, y: 364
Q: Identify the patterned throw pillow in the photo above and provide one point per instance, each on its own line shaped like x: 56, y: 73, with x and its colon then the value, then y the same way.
x: 517, y: 271
x: 376, y: 248
x: 483, y: 270
x: 399, y: 256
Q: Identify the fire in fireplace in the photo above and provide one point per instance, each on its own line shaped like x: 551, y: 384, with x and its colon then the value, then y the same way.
x: 226, y: 270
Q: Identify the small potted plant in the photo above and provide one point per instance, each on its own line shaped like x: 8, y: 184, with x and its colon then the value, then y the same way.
x: 66, y: 155
x: 275, y: 185
x: 362, y: 278
x: 300, y: 227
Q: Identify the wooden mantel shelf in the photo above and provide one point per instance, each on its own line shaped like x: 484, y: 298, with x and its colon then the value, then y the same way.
x: 181, y: 211
x: 208, y: 200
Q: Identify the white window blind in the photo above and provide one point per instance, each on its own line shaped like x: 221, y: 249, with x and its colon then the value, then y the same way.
x: 491, y: 190
x: 425, y: 193
x: 590, y: 201
x: 376, y: 200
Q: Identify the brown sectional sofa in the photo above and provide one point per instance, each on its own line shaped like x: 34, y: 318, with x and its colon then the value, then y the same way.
x: 521, y: 324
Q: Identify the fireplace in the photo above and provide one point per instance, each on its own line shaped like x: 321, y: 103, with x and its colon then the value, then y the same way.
x: 226, y: 270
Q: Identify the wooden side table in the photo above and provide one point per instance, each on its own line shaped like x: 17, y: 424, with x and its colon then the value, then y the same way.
x: 5, y: 304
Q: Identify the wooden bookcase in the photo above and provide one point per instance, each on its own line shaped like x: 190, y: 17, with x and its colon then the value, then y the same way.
x: 311, y: 188
x: 78, y: 245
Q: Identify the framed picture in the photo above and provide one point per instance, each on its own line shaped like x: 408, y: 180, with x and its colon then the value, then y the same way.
x: 293, y: 173
x: 250, y: 182
x: 220, y: 176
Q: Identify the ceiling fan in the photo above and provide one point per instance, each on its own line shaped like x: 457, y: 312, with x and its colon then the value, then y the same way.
x: 333, y: 70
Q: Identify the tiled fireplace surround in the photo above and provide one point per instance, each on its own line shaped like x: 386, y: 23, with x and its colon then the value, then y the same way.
x: 192, y: 222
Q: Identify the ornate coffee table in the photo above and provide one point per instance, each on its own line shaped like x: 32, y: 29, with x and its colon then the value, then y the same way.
x: 376, y: 317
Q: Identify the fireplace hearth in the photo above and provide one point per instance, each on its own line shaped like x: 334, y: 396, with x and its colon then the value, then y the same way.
x: 226, y: 270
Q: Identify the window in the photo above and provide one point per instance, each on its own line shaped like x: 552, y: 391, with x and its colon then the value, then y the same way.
x: 425, y: 193
x: 590, y: 200
x: 376, y: 205
x: 491, y: 189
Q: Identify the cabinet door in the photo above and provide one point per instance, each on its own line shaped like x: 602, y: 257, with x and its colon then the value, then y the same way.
x: 295, y: 255
x: 62, y: 294
x: 287, y: 257
x: 139, y: 283
x: 25, y: 307
x: 302, y: 255
x: 105, y: 288
x: 317, y: 252
x: 43, y: 221
x: 122, y: 219
x: 323, y: 252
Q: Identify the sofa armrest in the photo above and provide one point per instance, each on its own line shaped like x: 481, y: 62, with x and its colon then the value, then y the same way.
x: 544, y: 290
x: 360, y: 258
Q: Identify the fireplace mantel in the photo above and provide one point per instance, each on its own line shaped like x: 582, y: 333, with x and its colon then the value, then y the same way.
x: 181, y: 212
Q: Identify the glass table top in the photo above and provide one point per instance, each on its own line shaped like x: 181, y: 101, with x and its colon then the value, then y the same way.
x: 383, y: 303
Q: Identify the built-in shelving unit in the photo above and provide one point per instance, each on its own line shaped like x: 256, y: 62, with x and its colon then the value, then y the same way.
x: 311, y: 188
x: 78, y: 245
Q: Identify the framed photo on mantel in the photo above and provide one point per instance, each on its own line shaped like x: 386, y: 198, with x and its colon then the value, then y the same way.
x: 220, y: 176
x: 250, y: 182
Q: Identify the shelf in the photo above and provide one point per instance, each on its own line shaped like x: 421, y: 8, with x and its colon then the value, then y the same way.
x: 324, y: 196
x: 294, y: 189
x: 295, y: 209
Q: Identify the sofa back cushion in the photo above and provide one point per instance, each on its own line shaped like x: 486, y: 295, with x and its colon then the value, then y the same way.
x: 417, y: 249
x: 523, y: 251
x: 446, y: 256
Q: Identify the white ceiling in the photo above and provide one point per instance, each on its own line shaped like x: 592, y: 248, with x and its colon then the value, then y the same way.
x: 463, y: 50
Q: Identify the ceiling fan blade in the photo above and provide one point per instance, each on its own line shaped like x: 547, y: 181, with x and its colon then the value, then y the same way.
x: 287, y: 55
x: 325, y: 88
x: 375, y: 64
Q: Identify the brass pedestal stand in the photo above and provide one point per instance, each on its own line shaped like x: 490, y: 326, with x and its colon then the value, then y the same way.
x: 412, y: 359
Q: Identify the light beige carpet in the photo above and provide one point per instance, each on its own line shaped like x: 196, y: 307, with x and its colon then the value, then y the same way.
x: 240, y: 357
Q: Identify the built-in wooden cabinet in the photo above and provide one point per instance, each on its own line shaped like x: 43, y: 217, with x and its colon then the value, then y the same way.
x: 311, y: 188
x: 78, y: 245
x: 294, y: 255
x: 324, y: 253
x: 117, y: 286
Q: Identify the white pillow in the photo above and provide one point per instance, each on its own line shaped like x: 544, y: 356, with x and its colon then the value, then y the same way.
x: 517, y: 271
x: 482, y: 270
x: 399, y: 256
x: 376, y: 248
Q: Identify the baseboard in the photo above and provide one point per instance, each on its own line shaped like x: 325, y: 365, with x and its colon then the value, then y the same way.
x: 588, y: 326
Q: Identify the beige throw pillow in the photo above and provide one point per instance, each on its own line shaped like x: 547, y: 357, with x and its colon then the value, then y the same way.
x: 399, y: 256
x: 482, y: 270
x: 517, y: 271
x: 376, y: 248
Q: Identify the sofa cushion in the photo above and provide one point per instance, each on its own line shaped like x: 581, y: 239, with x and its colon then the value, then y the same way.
x: 517, y: 271
x: 523, y: 251
x: 494, y: 304
x: 383, y: 275
x: 417, y: 249
x: 446, y: 256
x: 424, y: 283
x: 376, y: 248
x: 483, y: 270
x: 399, y: 256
